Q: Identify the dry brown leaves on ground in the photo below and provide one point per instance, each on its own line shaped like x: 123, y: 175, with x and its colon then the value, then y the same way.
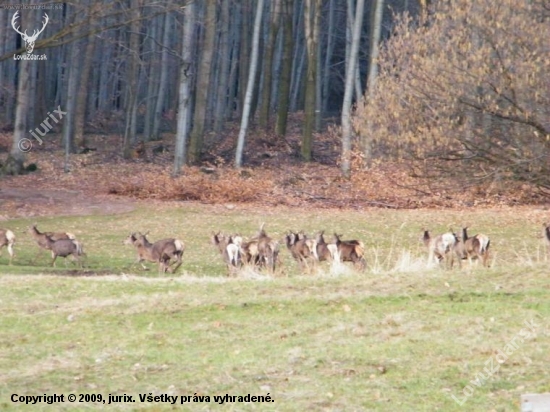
x: 275, y: 177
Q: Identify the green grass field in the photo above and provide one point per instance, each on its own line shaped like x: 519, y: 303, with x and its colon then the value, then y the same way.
x: 398, y: 337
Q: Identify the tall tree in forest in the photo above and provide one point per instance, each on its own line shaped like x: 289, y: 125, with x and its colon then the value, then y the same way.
x: 83, y: 86
x: 244, y: 51
x: 70, y: 97
x: 348, y: 92
x: 328, y: 57
x: 163, y: 81
x: 377, y: 12
x: 250, y: 84
x: 225, y: 60
x: 297, y: 84
x: 184, y: 104
x: 312, y: 12
x: 70, y: 100
x: 20, y: 143
x: 150, y: 49
x: 132, y: 86
x: 268, y: 62
x: 203, y: 84
x: 349, y: 37
x: 283, y: 98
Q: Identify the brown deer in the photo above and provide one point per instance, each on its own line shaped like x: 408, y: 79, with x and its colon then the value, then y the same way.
x: 546, y: 236
x: 268, y: 250
x: 229, y: 247
x: 7, y: 238
x: 325, y: 251
x: 64, y: 248
x: 40, y: 238
x: 162, y: 251
x: 441, y: 247
x: 301, y: 248
x: 350, y: 251
x: 475, y: 247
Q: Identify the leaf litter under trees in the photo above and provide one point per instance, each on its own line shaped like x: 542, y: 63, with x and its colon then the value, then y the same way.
x: 274, y: 176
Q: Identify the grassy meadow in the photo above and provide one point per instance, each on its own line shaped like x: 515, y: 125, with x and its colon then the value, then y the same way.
x: 399, y: 337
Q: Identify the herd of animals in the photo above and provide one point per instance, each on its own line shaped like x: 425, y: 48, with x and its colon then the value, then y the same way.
x: 262, y: 251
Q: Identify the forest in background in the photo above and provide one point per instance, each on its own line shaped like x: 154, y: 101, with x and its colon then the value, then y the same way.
x: 441, y: 85
x: 130, y: 67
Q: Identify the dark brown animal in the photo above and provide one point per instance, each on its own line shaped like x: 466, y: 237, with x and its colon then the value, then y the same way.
x: 268, y: 250
x: 40, y: 238
x: 64, y: 248
x: 546, y: 236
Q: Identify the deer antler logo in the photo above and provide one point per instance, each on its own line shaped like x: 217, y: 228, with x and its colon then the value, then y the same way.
x: 29, y: 40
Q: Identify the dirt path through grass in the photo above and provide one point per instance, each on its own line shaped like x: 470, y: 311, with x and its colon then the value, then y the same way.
x: 17, y: 203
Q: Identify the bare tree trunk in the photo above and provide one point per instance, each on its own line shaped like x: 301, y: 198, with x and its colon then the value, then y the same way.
x: 153, y: 76
x: 377, y: 12
x: 108, y: 50
x: 268, y: 64
x: 83, y: 90
x: 328, y: 56
x: 319, y: 76
x: 250, y: 85
x: 33, y: 104
x: 350, y: 76
x: 312, y: 12
x: 299, y: 55
x: 184, y: 104
x: 277, y: 68
x: 286, y: 70
x: 20, y: 143
x: 258, y: 74
x: 297, y: 78
x: 234, y: 71
x: 70, y: 102
x: 203, y: 84
x: 132, y: 87
x: 244, y: 52
x: 349, y: 35
x: 163, y: 84
x: 225, y: 60
x: 3, y: 64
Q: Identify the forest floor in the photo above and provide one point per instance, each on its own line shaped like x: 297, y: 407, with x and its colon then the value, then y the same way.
x: 273, y: 175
